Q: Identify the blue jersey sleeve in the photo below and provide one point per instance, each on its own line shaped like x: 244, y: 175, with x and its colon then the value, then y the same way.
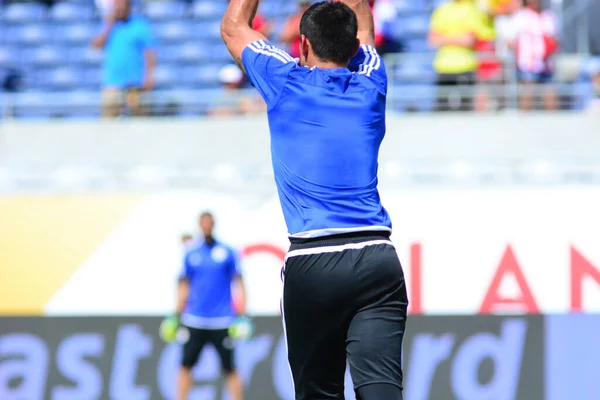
x: 369, y: 63
x: 267, y: 68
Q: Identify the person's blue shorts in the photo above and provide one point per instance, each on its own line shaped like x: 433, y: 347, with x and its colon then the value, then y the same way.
x: 535, y: 77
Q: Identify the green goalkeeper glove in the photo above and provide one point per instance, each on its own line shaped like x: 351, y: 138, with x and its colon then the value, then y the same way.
x: 168, y: 328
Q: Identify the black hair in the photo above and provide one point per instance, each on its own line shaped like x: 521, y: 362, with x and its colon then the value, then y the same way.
x: 331, y: 29
x: 206, y: 214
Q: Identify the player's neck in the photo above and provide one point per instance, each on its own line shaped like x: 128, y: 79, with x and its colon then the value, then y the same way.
x: 324, y: 64
x: 313, y: 62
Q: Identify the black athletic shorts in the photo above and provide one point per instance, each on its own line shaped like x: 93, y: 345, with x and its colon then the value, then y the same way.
x: 344, y: 299
x: 217, y: 337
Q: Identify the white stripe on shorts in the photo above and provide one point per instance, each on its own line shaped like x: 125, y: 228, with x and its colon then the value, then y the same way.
x: 334, y: 249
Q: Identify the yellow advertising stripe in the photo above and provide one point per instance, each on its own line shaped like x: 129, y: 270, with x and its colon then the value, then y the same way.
x: 44, y: 240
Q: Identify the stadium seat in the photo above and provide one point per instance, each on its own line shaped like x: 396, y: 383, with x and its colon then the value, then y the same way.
x: 19, y: 13
x: 414, y: 71
x: 220, y: 54
x: 166, y: 75
x: 209, y: 9
x: 172, y: 31
x: 168, y: 53
x: 418, y: 45
x: 92, y: 77
x: 8, y: 56
x: 411, y: 97
x: 85, y: 54
x: 60, y: 78
x: 163, y: 10
x: 417, y: 25
x: 193, y: 52
x: 28, y: 34
x: 70, y: 12
x: 44, y: 56
x: 77, y: 33
x: 199, y: 77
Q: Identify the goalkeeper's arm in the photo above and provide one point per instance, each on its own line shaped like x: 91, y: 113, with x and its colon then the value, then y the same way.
x: 183, y: 292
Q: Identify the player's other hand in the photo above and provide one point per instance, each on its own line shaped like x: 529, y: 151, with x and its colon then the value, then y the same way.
x: 148, y: 83
x: 168, y: 328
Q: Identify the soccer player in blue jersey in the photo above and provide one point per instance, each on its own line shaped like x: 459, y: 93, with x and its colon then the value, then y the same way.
x: 205, y: 305
x: 344, y: 296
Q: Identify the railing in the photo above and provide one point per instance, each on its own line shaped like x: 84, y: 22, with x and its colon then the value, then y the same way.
x: 411, y: 88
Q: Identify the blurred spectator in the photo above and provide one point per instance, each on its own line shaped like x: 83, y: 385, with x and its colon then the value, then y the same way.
x: 129, y: 60
x: 455, y: 27
x: 534, y: 39
x: 384, y: 16
x: 234, y: 101
x: 594, y: 74
x: 291, y: 30
x: 260, y: 24
x: 489, y: 47
x: 12, y: 82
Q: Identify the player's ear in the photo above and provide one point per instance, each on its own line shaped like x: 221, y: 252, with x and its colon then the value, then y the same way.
x: 357, y: 46
x: 304, y: 46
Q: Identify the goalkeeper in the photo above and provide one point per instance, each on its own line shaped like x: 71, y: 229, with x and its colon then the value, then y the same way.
x: 205, y: 303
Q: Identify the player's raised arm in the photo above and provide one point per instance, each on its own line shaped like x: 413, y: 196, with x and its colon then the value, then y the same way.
x: 236, y: 27
x: 364, y: 15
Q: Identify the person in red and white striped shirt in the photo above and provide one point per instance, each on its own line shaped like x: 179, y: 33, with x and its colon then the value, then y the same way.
x: 534, y: 38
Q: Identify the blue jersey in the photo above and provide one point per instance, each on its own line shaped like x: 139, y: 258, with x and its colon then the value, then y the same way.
x: 210, y: 271
x: 326, y: 128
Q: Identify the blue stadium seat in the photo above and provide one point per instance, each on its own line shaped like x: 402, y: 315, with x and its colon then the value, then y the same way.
x: 172, y: 31
x: 44, y: 56
x: 220, y: 54
x: 85, y: 54
x: 77, y: 33
x: 200, y: 77
x: 163, y: 10
x: 209, y: 9
x: 92, y: 77
x: 418, y: 45
x: 168, y: 52
x: 166, y: 75
x: 28, y: 34
x: 411, y: 97
x: 213, y: 31
x: 8, y: 56
x: 19, y: 13
x: 417, y: 25
x: 70, y: 12
x: 60, y: 78
x: 193, y: 52
x: 415, y: 71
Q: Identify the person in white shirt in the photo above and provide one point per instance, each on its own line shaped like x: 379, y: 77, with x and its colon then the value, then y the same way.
x: 533, y: 37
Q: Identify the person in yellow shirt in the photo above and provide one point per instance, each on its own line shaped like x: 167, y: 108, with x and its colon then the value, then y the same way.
x: 455, y: 28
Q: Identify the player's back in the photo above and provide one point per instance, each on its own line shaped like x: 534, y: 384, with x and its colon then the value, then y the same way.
x: 326, y: 128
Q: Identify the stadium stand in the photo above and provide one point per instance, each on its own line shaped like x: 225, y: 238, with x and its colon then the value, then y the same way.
x: 50, y: 48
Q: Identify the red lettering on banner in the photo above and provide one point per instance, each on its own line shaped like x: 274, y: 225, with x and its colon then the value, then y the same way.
x: 414, y: 293
x: 264, y: 248
x: 493, y: 300
x: 580, y: 268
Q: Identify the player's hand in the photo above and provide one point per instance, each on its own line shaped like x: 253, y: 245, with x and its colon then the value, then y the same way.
x: 242, y: 328
x: 148, y: 83
x: 168, y: 328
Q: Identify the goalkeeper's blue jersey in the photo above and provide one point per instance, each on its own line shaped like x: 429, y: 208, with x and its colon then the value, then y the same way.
x: 326, y: 128
x: 210, y: 270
